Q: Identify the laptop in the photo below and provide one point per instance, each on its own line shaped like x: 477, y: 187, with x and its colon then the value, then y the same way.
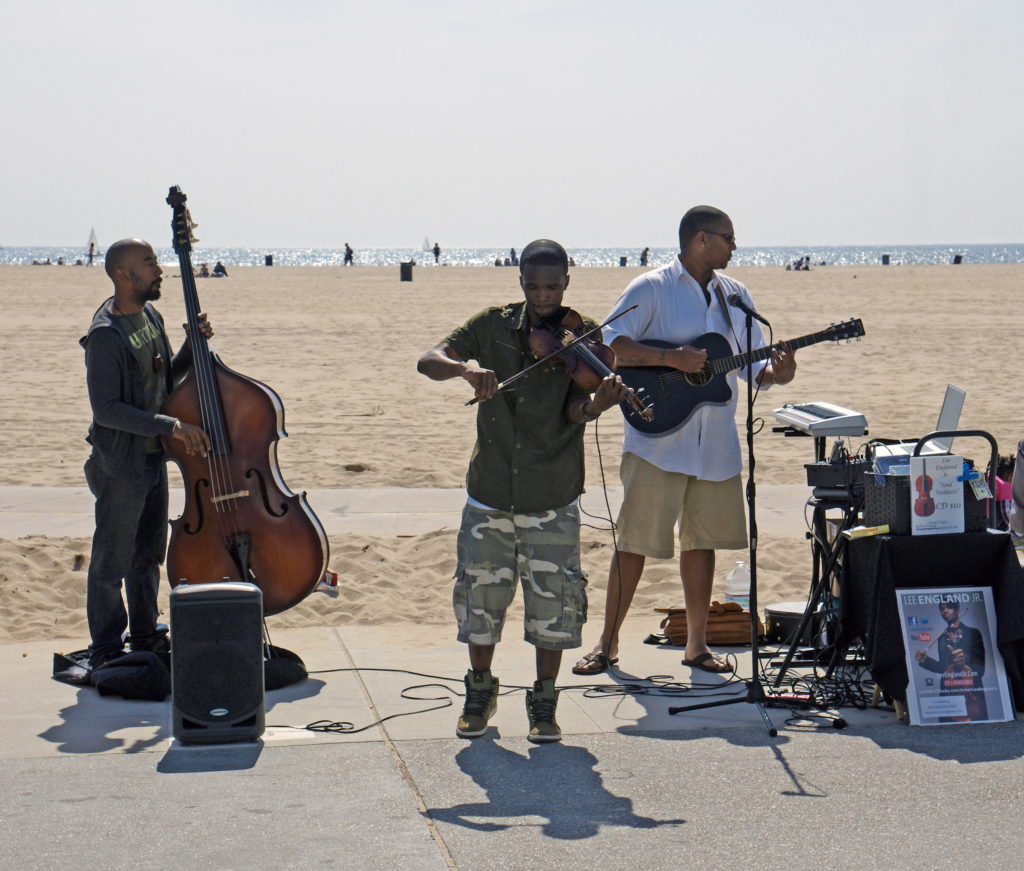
x: 949, y: 418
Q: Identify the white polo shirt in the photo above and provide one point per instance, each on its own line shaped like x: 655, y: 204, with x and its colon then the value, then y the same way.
x: 671, y: 308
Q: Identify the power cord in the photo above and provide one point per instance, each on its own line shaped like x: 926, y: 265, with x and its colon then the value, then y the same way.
x: 655, y: 685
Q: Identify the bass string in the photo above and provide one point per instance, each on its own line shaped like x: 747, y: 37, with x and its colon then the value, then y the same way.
x: 211, y: 414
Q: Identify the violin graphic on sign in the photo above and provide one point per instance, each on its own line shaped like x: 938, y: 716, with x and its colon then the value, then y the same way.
x: 924, y: 505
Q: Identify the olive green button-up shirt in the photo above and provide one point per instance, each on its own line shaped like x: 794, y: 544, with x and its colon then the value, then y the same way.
x: 527, y: 456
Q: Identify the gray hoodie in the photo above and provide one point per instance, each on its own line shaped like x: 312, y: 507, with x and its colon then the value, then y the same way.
x: 120, y: 423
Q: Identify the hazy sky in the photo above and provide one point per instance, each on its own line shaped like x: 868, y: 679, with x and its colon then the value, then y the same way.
x: 317, y: 122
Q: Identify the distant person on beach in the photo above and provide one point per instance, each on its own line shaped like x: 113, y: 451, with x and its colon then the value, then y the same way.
x: 644, y: 255
x: 219, y: 271
x: 513, y: 258
x: 92, y: 252
x: 129, y: 373
x: 521, y: 518
x: 688, y: 477
x: 437, y: 253
x: 349, y: 253
x: 204, y: 270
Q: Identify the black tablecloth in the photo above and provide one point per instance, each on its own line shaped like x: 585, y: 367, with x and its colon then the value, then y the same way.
x: 876, y: 566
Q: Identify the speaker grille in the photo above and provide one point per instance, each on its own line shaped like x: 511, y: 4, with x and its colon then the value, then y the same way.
x: 217, y: 656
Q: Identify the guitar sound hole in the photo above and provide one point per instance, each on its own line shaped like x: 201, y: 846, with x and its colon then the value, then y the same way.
x: 698, y: 379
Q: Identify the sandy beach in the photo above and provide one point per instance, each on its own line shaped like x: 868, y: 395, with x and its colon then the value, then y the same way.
x: 340, y: 347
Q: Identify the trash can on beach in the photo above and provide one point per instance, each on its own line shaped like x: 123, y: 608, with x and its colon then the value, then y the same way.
x: 268, y: 260
x: 885, y: 260
x: 405, y: 271
x: 622, y: 261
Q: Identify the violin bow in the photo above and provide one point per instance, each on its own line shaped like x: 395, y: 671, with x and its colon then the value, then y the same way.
x: 564, y: 348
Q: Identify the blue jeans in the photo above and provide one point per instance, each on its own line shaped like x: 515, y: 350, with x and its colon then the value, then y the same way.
x: 129, y: 545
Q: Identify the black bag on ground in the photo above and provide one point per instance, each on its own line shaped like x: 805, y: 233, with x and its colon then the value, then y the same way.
x: 136, y: 675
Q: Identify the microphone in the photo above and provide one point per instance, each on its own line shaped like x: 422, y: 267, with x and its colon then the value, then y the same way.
x: 736, y: 301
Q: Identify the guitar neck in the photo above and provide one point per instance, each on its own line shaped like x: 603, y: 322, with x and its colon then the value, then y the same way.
x: 739, y: 361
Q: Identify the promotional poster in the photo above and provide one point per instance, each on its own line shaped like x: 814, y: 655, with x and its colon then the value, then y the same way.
x: 956, y: 673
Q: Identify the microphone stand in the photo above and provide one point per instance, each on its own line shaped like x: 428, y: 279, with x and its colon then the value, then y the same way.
x: 755, y: 694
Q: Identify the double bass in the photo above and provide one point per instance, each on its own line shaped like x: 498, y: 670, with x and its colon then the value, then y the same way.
x: 240, y: 521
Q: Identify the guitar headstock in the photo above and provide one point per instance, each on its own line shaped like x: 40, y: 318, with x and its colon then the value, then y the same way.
x: 182, y: 224
x: 851, y: 329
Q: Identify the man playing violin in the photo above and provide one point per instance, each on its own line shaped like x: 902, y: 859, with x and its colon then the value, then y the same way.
x: 521, y: 518
x: 688, y: 477
x: 129, y: 373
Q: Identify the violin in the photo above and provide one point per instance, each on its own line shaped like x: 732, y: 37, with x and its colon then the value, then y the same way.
x: 563, y: 338
x: 965, y: 680
x: 924, y: 505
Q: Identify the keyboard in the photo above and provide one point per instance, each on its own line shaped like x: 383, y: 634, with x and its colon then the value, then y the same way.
x: 822, y: 419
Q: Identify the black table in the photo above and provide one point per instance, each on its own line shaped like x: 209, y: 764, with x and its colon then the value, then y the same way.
x: 876, y: 566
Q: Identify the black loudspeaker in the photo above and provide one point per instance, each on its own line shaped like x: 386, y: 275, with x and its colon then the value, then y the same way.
x: 216, y: 662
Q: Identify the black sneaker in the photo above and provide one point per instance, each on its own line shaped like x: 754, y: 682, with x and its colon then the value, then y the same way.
x: 481, y: 703
x: 541, y: 702
x: 100, y: 658
x: 156, y: 643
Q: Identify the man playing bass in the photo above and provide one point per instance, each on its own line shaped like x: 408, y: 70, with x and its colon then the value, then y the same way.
x: 129, y: 373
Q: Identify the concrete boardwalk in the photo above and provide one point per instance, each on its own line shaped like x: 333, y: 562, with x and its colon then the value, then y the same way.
x: 98, y: 783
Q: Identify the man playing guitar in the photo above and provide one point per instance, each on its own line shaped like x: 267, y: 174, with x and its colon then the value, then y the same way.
x: 689, y: 476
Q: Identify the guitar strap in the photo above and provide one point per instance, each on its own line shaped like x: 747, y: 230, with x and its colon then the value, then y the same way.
x: 728, y: 315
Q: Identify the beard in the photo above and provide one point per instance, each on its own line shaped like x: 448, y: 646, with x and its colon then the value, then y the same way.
x: 147, y: 292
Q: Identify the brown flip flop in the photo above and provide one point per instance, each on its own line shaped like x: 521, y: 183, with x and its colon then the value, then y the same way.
x: 593, y: 663
x: 709, y: 662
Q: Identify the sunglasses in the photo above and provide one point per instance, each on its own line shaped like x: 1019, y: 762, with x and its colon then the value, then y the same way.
x: 729, y: 237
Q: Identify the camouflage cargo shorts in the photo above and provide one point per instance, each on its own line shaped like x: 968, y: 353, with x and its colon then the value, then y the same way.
x: 542, y: 551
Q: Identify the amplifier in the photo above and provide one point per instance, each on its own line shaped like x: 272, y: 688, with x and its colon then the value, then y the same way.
x: 826, y: 474
x: 217, y: 662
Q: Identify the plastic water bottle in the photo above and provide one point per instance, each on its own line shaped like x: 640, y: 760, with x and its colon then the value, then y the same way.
x: 737, y: 585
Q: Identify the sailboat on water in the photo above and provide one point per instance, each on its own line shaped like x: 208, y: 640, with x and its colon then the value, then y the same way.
x: 426, y: 244
x: 92, y: 249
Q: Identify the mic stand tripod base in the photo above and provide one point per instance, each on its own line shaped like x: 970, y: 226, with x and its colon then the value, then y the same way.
x: 755, y: 691
x: 754, y: 696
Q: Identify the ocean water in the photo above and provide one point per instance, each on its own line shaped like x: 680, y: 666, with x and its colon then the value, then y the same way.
x: 843, y: 255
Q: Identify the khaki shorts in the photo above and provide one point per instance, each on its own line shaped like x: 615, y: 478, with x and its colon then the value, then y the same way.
x: 542, y: 551
x: 709, y: 513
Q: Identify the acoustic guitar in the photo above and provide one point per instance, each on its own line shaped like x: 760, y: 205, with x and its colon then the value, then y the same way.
x: 674, y: 396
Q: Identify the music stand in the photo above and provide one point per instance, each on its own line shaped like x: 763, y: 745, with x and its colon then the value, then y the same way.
x: 755, y: 694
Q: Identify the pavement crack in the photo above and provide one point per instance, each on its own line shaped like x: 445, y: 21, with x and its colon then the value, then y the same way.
x: 396, y: 755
